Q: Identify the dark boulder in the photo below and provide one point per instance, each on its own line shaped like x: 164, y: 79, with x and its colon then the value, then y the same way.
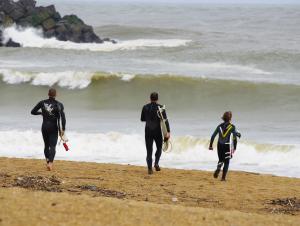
x: 11, y: 43
x: 109, y: 40
x: 72, y: 28
x: 48, y: 24
x: 41, y: 14
x: 50, y: 33
x: 25, y: 13
x: 8, y: 21
x: 28, y: 5
x: 7, y: 6
x: 72, y: 19
x: 1, y: 38
x: 17, y: 13
x: 2, y: 17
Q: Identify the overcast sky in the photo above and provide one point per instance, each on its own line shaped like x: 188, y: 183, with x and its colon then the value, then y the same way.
x: 193, y: 1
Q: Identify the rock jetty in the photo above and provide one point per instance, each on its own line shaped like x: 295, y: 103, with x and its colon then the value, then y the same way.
x: 25, y: 13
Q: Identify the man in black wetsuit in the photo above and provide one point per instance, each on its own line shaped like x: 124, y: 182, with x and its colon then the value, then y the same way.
x: 225, y: 131
x: 153, y: 131
x: 52, y: 112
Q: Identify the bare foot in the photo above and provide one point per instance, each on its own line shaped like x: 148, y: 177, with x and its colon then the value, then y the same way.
x: 50, y: 166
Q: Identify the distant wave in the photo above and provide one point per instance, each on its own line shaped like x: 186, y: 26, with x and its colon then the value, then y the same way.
x: 82, y: 79
x: 188, y: 152
x: 31, y: 37
x: 68, y: 79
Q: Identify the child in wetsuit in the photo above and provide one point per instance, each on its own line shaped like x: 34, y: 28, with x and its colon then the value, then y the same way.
x: 227, y: 134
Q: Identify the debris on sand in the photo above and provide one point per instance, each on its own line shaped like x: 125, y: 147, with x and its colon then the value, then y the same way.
x: 39, y: 183
x: 103, y: 192
x: 285, y: 206
x: 4, y: 179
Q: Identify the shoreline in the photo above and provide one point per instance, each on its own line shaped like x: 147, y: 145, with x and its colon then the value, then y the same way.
x: 169, y: 168
x: 189, y: 196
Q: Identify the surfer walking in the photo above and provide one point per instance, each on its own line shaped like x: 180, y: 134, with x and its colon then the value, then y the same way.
x: 153, y: 131
x: 226, y: 144
x: 53, y: 113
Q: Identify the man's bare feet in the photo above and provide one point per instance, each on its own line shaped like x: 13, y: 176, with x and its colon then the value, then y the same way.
x: 50, y: 166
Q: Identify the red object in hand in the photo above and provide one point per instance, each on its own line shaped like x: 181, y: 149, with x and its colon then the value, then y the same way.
x: 66, y: 146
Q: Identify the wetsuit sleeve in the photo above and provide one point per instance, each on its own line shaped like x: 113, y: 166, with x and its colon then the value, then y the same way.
x: 213, y: 136
x: 167, y: 121
x: 143, y: 115
x: 35, y: 110
x: 63, y: 117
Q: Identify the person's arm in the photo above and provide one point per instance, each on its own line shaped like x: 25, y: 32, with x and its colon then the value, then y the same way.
x: 143, y: 117
x: 213, y: 138
x: 35, y: 110
x: 167, y: 121
x: 235, y: 135
x: 63, y: 117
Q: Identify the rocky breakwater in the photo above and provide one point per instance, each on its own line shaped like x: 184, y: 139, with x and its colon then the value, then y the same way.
x: 25, y: 13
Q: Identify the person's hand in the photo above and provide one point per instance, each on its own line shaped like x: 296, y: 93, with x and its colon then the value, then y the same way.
x: 61, y: 133
x: 210, y: 148
x: 168, y: 136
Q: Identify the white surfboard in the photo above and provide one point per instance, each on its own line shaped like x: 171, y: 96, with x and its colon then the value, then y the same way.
x: 231, y: 145
x: 166, y: 142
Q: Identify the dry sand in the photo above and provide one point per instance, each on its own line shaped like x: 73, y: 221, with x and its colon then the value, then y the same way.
x: 78, y: 193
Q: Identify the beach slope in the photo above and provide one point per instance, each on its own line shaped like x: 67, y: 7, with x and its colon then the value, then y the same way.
x: 78, y: 193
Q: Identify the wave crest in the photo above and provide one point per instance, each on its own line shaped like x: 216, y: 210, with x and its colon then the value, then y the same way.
x: 188, y: 152
x: 31, y: 37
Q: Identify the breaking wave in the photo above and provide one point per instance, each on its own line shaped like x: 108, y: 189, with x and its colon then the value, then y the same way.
x: 188, y: 152
x: 82, y: 79
x: 31, y: 37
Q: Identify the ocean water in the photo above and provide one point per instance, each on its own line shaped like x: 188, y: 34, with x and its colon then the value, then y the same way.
x: 203, y: 60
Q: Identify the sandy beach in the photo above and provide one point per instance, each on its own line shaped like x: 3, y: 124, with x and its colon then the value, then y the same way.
x: 78, y: 193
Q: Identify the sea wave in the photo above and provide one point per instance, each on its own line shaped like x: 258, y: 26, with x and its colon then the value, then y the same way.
x: 188, y: 152
x: 32, y: 37
x: 68, y: 79
x: 82, y: 79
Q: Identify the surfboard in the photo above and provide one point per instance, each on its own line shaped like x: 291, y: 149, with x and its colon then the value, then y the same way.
x: 167, y: 146
x: 231, y: 145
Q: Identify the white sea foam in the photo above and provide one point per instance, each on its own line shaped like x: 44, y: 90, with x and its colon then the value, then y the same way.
x: 69, y: 79
x: 188, y: 152
x: 31, y: 37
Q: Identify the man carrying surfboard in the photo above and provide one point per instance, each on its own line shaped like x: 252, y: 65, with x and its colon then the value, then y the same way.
x: 52, y: 112
x: 151, y: 114
x: 226, y: 144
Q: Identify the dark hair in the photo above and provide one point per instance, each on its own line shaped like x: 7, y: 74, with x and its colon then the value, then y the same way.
x: 227, y: 116
x: 154, y: 96
x: 52, y: 92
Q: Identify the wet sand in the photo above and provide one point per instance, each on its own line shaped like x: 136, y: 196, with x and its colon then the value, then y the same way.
x: 77, y: 193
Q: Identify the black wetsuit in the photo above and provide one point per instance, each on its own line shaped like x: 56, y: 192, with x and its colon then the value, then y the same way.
x: 153, y: 131
x: 225, y: 130
x: 52, y: 111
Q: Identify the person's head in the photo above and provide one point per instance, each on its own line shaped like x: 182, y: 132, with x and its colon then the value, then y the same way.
x: 227, y: 116
x: 52, y: 93
x: 154, y: 97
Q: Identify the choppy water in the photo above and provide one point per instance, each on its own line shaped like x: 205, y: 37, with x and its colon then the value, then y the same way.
x: 202, y: 59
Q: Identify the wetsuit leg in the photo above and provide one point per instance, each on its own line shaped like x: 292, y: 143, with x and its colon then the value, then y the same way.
x: 225, y: 169
x: 221, y: 155
x: 46, y: 144
x: 158, y: 141
x: 149, y: 145
x: 50, y: 135
x: 52, y: 142
x: 224, y: 157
